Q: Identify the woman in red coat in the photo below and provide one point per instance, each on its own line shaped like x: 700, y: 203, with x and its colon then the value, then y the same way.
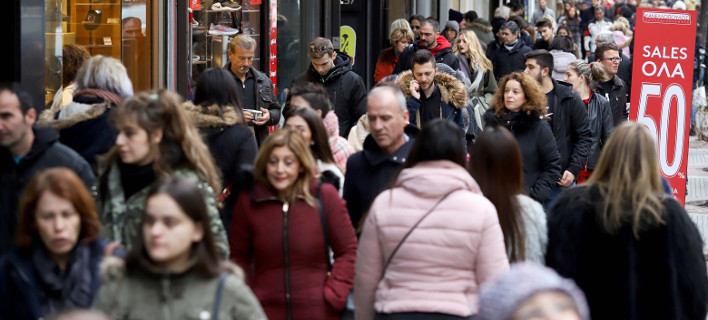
x: 277, y: 236
x: 401, y: 38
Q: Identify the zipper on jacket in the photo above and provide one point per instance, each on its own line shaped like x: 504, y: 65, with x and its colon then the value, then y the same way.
x: 286, y: 253
x: 166, y: 296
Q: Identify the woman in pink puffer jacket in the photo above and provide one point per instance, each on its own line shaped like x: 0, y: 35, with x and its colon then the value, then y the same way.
x: 437, y: 271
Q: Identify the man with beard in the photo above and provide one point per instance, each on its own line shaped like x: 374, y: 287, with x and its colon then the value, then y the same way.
x: 431, y: 94
x: 567, y: 117
x: 431, y: 40
x: 255, y: 88
x: 25, y: 150
x: 508, y: 57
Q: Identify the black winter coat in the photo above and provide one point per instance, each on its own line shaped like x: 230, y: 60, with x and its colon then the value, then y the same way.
x: 346, y: 89
x: 405, y: 61
x: 615, y: 91
x: 265, y: 98
x: 370, y: 171
x: 624, y: 72
x: 507, y: 61
x: 233, y: 147
x: 19, y: 287
x: 660, y: 275
x: 46, y: 152
x: 571, y: 128
x: 539, y: 153
x: 601, y: 126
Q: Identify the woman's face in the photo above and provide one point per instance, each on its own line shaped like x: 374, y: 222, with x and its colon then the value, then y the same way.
x: 514, y: 96
x: 462, y: 45
x: 562, y: 32
x: 168, y: 232
x: 58, y: 224
x: 298, y: 123
x: 548, y: 305
x: 134, y: 144
x: 283, y: 168
x: 572, y: 12
x: 402, y: 44
x: 571, y: 76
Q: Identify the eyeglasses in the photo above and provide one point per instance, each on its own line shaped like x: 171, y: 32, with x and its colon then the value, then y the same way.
x: 616, y: 59
x: 315, y: 49
x: 416, y: 27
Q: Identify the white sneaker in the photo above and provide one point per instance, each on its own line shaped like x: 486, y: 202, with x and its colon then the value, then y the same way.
x: 218, y: 7
x: 222, y: 30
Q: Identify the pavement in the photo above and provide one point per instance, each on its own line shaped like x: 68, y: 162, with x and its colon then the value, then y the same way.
x: 697, y: 197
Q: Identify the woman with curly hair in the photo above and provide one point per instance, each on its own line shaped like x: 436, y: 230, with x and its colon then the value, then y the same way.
x: 478, y: 69
x: 520, y: 106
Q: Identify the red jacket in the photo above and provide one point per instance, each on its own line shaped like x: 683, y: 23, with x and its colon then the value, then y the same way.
x: 273, y: 259
x: 384, y: 66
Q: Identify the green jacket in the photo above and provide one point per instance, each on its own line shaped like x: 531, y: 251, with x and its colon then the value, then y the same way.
x: 121, y: 217
x: 155, y: 295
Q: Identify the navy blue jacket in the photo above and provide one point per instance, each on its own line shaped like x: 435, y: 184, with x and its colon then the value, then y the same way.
x: 19, y: 298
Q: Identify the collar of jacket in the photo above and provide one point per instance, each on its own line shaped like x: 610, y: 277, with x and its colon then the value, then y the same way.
x: 517, y: 121
x: 374, y: 155
x: 617, y: 82
x: 209, y: 117
x: 563, y: 89
x: 519, y: 44
x: 50, y: 119
x: 452, y: 91
x: 262, y: 192
x: 342, y: 65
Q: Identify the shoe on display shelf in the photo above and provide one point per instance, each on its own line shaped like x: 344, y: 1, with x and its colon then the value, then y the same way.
x: 195, y: 58
x: 217, y: 6
x: 233, y: 5
x: 222, y: 30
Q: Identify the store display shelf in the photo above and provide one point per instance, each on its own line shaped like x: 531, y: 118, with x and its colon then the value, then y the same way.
x: 227, y: 11
x: 249, y: 11
x: 99, y: 45
x: 98, y: 4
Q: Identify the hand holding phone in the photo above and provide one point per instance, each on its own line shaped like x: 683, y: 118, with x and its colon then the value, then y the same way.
x: 414, y: 88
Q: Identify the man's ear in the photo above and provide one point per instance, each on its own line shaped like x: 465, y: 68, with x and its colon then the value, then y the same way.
x: 544, y: 71
x: 334, y: 55
x: 31, y: 116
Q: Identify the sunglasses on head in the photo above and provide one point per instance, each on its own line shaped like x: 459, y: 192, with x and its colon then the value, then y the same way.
x: 316, y: 49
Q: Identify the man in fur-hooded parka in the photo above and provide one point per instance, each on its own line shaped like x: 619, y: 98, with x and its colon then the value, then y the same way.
x: 431, y: 94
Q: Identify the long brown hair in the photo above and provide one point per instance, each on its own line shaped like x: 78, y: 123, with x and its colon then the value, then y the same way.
x: 67, y: 185
x: 496, y: 165
x: 189, y: 198
x: 535, y: 98
x: 320, y: 147
x: 161, y: 110
x: 627, y: 175
x: 294, y: 141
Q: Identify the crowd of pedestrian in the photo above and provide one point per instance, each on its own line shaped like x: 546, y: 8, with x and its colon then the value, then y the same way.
x: 491, y: 173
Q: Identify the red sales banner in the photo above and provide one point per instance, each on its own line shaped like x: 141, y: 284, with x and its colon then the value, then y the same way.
x: 662, y: 77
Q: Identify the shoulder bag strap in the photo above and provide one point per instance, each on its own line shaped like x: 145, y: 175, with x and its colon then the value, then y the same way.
x: 217, y: 296
x: 323, y: 220
x: 393, y: 253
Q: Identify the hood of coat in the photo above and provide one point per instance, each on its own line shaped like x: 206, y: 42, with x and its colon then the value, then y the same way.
x: 452, y: 91
x: 208, y: 117
x: 442, y: 45
x: 433, y: 179
x: 342, y: 65
x: 480, y: 24
x: 113, y: 269
x: 71, y: 114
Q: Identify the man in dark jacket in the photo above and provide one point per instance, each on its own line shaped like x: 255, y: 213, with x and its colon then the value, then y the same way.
x: 24, y: 150
x: 385, y: 150
x: 255, y: 88
x: 508, y: 56
x: 624, y: 71
x: 431, y: 40
x: 346, y: 89
x: 614, y: 90
x: 568, y: 118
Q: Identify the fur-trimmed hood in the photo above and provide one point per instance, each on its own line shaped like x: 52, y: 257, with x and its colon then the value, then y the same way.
x: 452, y: 90
x: 76, y: 112
x: 208, y: 117
x: 480, y: 24
x: 113, y: 269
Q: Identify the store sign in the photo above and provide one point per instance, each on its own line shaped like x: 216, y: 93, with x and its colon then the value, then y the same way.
x: 347, y: 38
x: 662, y: 79
x: 273, y: 44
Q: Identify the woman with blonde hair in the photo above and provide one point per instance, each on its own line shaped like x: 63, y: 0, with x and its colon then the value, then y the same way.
x: 401, y: 38
x: 478, y: 69
x: 520, y: 106
x: 282, y: 232
x: 156, y: 138
x: 584, y: 78
x: 623, y: 35
x: 632, y: 249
